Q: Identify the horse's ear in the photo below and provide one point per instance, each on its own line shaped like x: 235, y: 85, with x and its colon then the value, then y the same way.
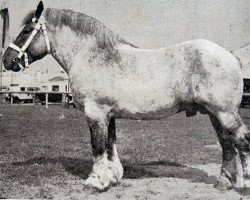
x: 39, y: 10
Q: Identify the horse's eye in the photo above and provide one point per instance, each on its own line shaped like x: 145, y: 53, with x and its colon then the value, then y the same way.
x: 26, y: 31
x: 34, y: 20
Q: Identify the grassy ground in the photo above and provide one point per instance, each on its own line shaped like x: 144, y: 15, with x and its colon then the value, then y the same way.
x: 43, y: 156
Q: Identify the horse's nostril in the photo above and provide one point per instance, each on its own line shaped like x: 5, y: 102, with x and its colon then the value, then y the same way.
x: 16, y: 60
x: 5, y: 61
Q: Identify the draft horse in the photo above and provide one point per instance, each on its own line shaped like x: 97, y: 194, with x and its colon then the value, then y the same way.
x: 110, y: 78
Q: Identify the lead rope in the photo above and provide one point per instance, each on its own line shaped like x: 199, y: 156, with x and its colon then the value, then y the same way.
x: 40, y: 24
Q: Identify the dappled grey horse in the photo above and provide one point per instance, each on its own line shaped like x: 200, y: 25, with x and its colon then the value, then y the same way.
x: 110, y: 78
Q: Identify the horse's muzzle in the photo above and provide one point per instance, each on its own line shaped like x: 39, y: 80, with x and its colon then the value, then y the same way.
x: 16, y: 68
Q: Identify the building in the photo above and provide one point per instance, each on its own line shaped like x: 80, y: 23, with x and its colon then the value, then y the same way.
x: 35, y: 80
x: 54, y: 81
x: 244, y: 55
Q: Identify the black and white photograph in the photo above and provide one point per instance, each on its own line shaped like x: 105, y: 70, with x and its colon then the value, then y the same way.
x: 125, y: 99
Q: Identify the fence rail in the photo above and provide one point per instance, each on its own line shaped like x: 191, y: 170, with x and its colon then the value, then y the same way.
x: 32, y: 92
x: 36, y: 92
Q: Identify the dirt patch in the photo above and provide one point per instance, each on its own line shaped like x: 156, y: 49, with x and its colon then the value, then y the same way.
x: 147, y: 188
x: 68, y: 186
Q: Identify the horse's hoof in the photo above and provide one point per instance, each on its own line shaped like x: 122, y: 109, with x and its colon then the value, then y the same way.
x: 223, y: 183
x: 116, y: 171
x: 247, y: 183
x: 223, y: 186
x: 95, y: 184
x: 91, y: 189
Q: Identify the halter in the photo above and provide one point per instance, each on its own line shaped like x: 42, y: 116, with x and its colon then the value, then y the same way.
x: 22, y: 51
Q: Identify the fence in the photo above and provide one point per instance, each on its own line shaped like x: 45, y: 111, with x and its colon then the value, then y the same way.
x: 36, y: 92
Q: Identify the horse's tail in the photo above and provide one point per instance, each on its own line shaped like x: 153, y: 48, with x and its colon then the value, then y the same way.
x: 239, y: 61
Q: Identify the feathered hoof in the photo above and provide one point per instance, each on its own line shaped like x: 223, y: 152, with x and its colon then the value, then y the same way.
x: 95, y: 184
x: 247, y: 183
x: 223, y: 184
x: 102, y: 181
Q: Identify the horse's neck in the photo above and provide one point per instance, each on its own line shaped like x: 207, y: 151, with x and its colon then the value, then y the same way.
x: 66, y: 46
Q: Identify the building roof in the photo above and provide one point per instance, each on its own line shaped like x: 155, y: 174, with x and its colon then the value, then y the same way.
x: 244, y: 55
x: 58, y: 78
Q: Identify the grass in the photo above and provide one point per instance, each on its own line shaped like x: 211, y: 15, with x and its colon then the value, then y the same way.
x: 37, y: 147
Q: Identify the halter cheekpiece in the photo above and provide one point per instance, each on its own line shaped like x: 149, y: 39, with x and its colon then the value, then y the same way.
x: 22, y: 51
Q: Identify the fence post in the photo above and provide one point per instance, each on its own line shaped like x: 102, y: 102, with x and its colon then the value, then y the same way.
x: 11, y: 99
x: 46, y: 100
x: 63, y: 106
x: 63, y: 99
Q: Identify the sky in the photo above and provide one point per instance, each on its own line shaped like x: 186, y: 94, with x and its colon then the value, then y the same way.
x: 155, y: 23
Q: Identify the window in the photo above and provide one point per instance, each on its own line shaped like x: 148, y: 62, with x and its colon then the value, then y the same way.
x: 55, y: 88
x: 22, y: 88
x: 45, y: 88
x: 33, y: 88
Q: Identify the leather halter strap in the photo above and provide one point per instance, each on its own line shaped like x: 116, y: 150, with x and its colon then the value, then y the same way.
x: 22, y: 51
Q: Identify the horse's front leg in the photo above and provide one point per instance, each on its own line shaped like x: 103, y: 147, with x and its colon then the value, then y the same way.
x: 107, y: 169
x: 113, y: 160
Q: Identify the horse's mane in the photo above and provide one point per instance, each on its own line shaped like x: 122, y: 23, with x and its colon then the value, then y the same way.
x: 81, y: 24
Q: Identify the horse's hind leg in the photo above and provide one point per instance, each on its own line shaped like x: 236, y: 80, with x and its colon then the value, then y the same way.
x: 231, y: 170
x: 239, y: 136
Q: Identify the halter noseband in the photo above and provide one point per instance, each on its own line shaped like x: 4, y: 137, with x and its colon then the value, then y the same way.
x: 22, y: 51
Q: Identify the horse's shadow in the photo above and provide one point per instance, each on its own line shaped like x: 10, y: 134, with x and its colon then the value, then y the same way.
x: 81, y: 168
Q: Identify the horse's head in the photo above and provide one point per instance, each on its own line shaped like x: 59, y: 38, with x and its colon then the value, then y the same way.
x: 31, y: 44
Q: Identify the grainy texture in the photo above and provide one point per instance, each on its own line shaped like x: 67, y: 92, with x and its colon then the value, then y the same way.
x: 44, y: 157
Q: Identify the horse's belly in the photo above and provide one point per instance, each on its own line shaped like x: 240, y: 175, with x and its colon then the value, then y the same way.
x: 151, y: 115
